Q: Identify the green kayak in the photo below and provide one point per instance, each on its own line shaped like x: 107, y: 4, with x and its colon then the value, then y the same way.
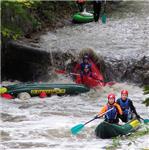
x: 83, y: 17
x: 36, y: 88
x: 107, y: 130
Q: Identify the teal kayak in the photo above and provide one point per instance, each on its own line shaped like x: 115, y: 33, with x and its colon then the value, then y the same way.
x: 83, y: 17
x: 107, y: 130
x: 36, y: 88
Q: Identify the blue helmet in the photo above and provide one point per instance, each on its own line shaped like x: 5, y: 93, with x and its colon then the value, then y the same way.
x: 85, y: 57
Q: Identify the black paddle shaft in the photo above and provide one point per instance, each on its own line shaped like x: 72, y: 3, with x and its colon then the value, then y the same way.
x: 98, y: 117
x: 89, y: 121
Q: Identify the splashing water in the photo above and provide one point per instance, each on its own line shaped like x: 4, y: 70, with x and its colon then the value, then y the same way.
x: 43, y: 124
x: 46, y: 123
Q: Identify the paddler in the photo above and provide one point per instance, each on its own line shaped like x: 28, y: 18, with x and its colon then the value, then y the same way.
x: 127, y: 107
x: 114, y: 110
x: 81, y: 66
x: 85, y: 68
x: 81, y: 4
x: 97, y: 9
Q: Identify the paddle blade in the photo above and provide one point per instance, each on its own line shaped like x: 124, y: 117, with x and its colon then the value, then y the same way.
x: 110, y: 83
x: 146, y: 120
x: 76, y: 129
x: 60, y: 71
x: 104, y: 18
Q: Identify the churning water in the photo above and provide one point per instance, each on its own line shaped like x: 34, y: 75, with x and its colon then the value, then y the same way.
x: 44, y: 124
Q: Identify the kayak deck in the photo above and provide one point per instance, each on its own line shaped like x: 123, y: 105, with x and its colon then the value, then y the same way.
x: 107, y: 130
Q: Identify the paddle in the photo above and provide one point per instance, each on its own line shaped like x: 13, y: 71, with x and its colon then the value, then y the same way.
x: 103, y: 17
x: 79, y: 127
x: 76, y: 74
x: 145, y: 120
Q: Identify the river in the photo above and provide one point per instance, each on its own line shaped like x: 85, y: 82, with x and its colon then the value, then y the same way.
x: 43, y: 124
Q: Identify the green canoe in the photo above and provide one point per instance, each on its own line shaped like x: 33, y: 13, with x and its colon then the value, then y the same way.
x: 36, y: 88
x: 83, y: 17
x: 107, y: 130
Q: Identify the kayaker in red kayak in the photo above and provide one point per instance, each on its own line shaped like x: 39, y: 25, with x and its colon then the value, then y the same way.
x: 127, y: 107
x: 85, y: 69
x: 81, y: 66
x: 112, y: 116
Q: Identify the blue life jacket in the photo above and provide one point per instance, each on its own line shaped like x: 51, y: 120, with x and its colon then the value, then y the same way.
x: 111, y: 115
x: 83, y: 66
x: 125, y: 106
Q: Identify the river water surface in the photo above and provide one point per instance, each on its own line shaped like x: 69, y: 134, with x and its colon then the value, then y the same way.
x: 44, y: 124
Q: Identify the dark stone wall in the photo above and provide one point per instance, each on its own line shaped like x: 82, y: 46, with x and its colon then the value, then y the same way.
x: 134, y: 70
x: 24, y: 63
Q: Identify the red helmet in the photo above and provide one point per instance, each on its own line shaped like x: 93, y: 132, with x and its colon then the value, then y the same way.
x: 124, y: 92
x: 111, y: 96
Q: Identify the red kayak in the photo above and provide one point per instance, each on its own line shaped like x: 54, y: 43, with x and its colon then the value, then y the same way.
x: 94, y: 81
x: 90, y: 81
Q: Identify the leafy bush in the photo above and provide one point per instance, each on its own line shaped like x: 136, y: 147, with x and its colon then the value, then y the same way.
x: 15, y: 15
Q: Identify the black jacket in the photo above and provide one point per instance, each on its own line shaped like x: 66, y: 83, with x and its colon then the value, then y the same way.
x: 130, y: 103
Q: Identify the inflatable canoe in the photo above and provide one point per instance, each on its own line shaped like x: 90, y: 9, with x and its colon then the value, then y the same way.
x: 35, y: 89
x: 83, y: 17
x: 107, y: 130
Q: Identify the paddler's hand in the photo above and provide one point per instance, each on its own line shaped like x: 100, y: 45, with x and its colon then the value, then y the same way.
x: 138, y: 116
x: 96, y: 117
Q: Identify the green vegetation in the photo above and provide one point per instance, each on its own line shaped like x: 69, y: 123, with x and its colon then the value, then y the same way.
x: 146, y: 91
x: 116, y: 141
x: 15, y: 16
x: 115, y: 144
x: 22, y: 17
x: 137, y: 134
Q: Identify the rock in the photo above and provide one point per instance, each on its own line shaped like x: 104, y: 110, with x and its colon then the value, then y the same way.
x: 132, y: 70
x: 24, y: 96
x: 27, y: 63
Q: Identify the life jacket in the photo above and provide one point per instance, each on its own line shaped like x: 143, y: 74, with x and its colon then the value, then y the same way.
x: 111, y: 115
x: 83, y: 66
x: 125, y: 106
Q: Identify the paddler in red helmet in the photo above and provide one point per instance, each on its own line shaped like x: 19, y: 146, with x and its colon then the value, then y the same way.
x: 114, y: 110
x: 127, y: 107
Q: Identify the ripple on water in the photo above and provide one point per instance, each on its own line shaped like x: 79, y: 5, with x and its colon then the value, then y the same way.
x: 45, y: 124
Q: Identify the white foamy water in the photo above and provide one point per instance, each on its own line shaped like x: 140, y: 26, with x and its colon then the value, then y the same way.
x: 46, y: 123
x: 125, y: 35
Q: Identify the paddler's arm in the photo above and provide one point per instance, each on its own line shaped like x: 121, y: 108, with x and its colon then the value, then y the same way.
x: 133, y: 109
x: 120, y: 112
x: 103, y: 110
x: 77, y: 68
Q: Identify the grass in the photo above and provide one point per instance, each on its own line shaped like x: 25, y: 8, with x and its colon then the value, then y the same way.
x: 116, y: 142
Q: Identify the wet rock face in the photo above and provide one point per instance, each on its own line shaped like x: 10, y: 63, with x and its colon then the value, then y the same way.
x: 27, y: 63
x: 132, y: 70
x: 24, y: 63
